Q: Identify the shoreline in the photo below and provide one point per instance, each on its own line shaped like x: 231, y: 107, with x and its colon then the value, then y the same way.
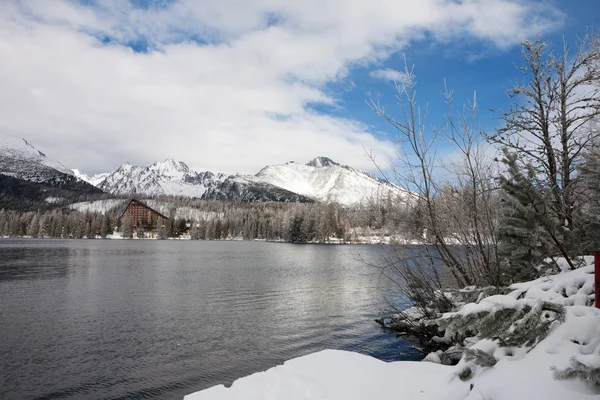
x: 188, y: 238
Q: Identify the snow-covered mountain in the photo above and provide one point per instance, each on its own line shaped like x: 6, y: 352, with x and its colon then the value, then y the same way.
x: 29, y: 180
x: 92, y: 180
x: 248, y: 189
x: 321, y: 179
x: 19, y: 159
x: 166, y: 177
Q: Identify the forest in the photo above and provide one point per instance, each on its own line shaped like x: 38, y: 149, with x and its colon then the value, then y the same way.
x: 220, y: 220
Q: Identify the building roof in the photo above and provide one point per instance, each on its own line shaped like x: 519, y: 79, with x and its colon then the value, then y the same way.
x: 143, y: 205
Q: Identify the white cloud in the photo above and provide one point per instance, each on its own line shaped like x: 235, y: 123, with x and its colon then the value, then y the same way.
x: 236, y: 97
x: 388, y: 74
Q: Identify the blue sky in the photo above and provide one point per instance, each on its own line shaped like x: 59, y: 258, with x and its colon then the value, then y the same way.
x: 237, y: 84
x: 469, y: 67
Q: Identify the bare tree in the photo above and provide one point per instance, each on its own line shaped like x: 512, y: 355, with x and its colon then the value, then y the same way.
x: 548, y: 124
x: 455, y: 210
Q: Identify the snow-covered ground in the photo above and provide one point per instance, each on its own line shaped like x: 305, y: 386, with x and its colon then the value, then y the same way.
x: 519, y: 372
x: 101, y: 206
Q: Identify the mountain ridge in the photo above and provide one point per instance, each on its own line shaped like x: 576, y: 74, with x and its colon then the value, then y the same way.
x: 320, y: 179
x: 30, y: 180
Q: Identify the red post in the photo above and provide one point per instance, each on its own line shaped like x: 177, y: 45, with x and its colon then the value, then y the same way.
x: 597, y: 274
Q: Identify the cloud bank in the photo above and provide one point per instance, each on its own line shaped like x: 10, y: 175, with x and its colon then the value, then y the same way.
x: 228, y: 85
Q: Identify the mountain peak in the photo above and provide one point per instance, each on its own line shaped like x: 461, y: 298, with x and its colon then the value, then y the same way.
x: 16, y: 148
x: 80, y: 175
x: 125, y: 167
x: 321, y: 162
x: 170, y: 167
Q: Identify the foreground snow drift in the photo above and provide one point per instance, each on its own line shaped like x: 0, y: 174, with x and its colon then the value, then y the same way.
x: 517, y: 372
x: 334, y: 374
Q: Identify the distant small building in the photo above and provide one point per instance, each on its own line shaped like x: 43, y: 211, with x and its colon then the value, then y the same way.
x: 141, y: 215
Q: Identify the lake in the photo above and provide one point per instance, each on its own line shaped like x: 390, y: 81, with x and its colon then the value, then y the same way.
x: 135, y: 319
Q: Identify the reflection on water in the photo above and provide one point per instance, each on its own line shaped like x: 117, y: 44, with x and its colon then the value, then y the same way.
x: 143, y: 319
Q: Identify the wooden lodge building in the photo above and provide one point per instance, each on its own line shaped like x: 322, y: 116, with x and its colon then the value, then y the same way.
x: 141, y: 215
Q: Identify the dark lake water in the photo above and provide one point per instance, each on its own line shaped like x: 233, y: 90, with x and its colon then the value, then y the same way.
x: 101, y: 319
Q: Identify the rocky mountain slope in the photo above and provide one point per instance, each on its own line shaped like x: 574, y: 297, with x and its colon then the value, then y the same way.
x: 30, y: 180
x: 166, y: 177
x: 321, y: 179
x: 19, y: 159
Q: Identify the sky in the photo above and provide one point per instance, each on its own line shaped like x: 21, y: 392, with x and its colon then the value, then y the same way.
x: 235, y: 85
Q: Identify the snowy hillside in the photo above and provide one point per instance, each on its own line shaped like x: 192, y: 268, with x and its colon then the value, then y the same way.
x: 19, y: 159
x: 101, y: 206
x: 327, y: 181
x: 167, y: 177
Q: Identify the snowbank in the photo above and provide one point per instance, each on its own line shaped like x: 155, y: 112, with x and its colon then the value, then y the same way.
x: 333, y: 374
x: 101, y: 206
x: 518, y: 372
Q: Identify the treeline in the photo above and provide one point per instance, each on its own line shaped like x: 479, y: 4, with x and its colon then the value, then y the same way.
x: 217, y: 220
x: 55, y: 224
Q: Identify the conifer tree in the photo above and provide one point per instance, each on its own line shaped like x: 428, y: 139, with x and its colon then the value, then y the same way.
x: 525, y: 215
x: 297, y: 233
x: 127, y: 227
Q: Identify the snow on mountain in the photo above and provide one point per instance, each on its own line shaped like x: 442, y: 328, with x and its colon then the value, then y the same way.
x: 19, y: 159
x: 93, y: 180
x: 29, y: 180
x: 321, y: 179
x: 322, y: 162
x: 166, y: 177
x: 248, y: 189
x: 325, y: 180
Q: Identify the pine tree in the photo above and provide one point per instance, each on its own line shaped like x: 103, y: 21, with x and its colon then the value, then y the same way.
x: 194, y: 232
x: 34, y: 227
x: 297, y: 232
x: 162, y: 233
x: 127, y: 227
x: 140, y: 232
x: 528, y: 231
x: 105, y: 229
